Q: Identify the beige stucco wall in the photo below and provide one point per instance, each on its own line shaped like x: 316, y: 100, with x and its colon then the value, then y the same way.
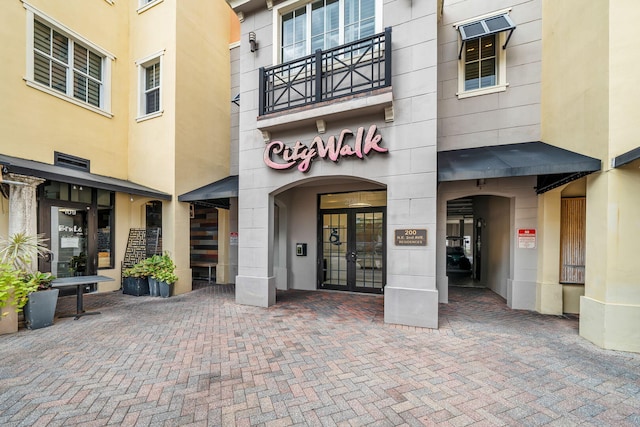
x: 590, y: 107
x: 574, y: 86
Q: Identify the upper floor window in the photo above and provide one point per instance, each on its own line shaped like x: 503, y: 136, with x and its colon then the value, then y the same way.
x: 480, y: 63
x: 482, y: 56
x: 323, y: 24
x: 65, y: 64
x: 152, y: 87
x: 150, y: 100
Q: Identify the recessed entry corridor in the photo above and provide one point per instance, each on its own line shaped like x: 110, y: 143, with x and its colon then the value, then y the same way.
x: 478, y: 243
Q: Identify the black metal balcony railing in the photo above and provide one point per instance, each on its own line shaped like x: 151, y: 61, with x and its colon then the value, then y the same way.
x: 353, y: 68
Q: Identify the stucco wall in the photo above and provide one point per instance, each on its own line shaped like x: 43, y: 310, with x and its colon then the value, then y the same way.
x: 498, y: 118
x: 408, y: 171
x: 34, y: 123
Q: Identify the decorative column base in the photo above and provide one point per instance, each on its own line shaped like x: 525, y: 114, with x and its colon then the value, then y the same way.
x: 256, y: 291
x: 610, y: 325
x: 411, y: 307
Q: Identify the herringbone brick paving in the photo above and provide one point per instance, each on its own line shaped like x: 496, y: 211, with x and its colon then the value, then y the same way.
x: 313, y: 359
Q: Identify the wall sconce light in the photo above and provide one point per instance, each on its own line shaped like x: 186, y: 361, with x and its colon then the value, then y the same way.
x: 253, y: 42
x: 480, y: 182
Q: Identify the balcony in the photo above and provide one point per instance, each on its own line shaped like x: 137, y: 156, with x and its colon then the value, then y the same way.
x: 315, y: 85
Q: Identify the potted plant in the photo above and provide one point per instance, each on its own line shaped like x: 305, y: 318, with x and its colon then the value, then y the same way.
x: 153, y: 267
x: 10, y: 280
x: 18, y: 277
x: 135, y: 280
x: 165, y: 275
x: 78, y: 264
x: 40, y: 308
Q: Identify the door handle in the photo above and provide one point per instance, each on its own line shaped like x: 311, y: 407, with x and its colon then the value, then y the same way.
x: 48, y: 257
x: 351, y: 256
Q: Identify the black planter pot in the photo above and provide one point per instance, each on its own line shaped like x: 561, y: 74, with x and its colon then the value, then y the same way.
x: 41, y: 308
x: 135, y: 286
x: 166, y: 289
x: 154, y: 290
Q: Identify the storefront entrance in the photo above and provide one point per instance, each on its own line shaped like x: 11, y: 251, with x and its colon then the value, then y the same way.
x: 68, y: 241
x: 352, y: 246
x: 78, y: 225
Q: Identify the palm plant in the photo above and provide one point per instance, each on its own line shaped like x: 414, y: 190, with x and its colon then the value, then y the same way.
x: 21, y: 249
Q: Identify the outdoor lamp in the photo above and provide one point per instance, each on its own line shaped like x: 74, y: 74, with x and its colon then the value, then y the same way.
x: 253, y: 42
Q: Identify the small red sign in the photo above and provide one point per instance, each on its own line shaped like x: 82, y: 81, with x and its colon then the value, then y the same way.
x: 526, y: 232
x: 526, y: 238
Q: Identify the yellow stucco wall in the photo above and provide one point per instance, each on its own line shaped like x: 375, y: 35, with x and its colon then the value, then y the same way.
x: 234, y: 34
x: 203, y: 95
x: 589, y: 105
x: 185, y: 147
x: 35, y: 123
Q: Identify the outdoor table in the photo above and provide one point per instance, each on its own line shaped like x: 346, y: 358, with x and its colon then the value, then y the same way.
x: 78, y: 282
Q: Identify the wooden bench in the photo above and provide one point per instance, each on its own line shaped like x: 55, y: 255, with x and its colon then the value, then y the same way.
x: 205, y: 264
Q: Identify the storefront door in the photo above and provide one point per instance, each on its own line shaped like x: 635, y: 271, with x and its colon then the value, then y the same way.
x: 352, y: 249
x: 68, y: 241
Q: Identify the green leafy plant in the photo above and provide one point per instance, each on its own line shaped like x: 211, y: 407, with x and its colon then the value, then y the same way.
x: 164, y: 268
x: 18, y: 278
x: 15, y: 287
x: 153, y: 265
x: 20, y: 249
x: 138, y: 270
x: 41, y: 281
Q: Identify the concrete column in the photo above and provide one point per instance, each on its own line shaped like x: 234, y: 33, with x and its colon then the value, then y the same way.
x: 255, y: 283
x: 23, y: 206
x: 548, y: 287
x: 610, y: 308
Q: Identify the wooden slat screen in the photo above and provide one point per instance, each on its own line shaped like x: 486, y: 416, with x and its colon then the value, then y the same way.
x: 572, y: 240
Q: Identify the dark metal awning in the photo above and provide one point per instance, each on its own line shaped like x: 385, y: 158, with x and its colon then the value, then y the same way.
x: 626, y: 158
x: 486, y: 27
x: 552, y: 165
x: 216, y: 194
x: 77, y: 177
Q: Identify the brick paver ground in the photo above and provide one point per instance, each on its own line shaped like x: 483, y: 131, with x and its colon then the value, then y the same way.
x: 315, y: 358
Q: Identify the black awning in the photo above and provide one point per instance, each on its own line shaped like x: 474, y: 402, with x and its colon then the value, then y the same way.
x: 554, y: 166
x: 485, y: 27
x: 627, y: 157
x: 216, y: 194
x: 77, y: 177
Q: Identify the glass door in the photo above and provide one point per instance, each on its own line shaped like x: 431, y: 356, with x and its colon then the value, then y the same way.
x: 352, y: 250
x: 68, y: 242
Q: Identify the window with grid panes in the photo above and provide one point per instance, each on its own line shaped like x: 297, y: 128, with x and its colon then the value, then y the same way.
x: 67, y: 66
x: 324, y: 24
x: 152, y: 88
x: 480, y: 67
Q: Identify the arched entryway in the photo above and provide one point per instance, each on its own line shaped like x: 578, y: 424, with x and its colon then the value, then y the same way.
x: 481, y: 219
x: 330, y: 234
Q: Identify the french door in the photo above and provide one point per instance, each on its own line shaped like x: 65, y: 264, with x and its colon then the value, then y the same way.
x: 352, y: 248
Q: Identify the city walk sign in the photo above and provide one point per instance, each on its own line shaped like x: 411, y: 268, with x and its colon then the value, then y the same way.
x: 279, y: 156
